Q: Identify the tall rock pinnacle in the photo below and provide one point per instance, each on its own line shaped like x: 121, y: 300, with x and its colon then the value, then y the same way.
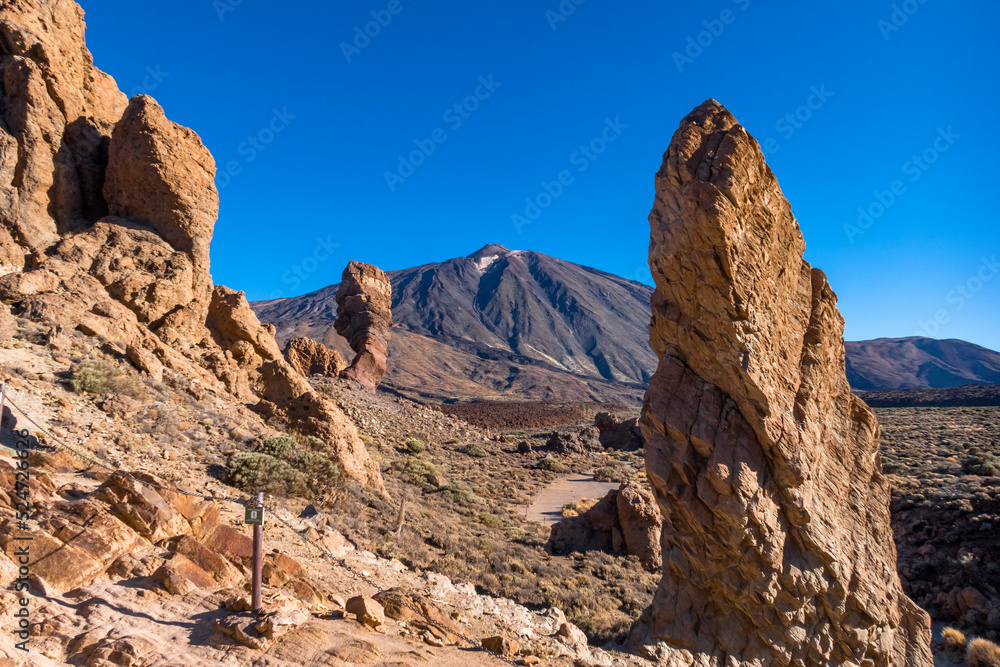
x: 777, y: 546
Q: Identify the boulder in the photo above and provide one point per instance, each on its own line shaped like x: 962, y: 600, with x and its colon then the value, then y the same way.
x: 777, y: 545
x: 364, y: 317
x: 142, y: 508
x: 618, y: 434
x: 640, y: 523
x: 501, y: 646
x: 583, y: 442
x: 310, y: 357
x: 366, y: 610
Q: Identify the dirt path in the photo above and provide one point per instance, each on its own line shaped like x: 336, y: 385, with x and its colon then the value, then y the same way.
x: 546, y: 507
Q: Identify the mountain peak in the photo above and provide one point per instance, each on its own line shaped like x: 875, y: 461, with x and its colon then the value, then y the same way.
x: 488, y: 250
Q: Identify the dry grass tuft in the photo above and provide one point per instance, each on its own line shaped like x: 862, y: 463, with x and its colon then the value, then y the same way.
x: 953, y: 640
x: 983, y: 653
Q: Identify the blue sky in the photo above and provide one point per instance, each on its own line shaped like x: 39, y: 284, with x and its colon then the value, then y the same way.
x: 877, y: 108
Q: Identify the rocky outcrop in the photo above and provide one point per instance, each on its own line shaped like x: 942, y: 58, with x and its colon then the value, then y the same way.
x: 616, y: 433
x: 310, y: 357
x: 364, y: 316
x: 777, y: 546
x: 584, y: 442
x: 624, y: 522
x: 106, y: 216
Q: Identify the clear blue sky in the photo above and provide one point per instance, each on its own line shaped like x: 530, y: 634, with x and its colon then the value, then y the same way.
x: 314, y: 194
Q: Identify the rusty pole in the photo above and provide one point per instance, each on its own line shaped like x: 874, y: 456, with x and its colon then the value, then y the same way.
x: 258, y: 559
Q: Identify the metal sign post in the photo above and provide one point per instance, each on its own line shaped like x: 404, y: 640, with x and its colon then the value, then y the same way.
x: 255, y: 516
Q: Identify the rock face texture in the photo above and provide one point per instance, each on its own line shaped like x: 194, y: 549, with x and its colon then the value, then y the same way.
x: 364, y: 316
x: 777, y: 547
x: 106, y: 215
x: 310, y: 357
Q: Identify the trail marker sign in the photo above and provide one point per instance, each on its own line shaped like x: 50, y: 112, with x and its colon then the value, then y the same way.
x: 254, y: 516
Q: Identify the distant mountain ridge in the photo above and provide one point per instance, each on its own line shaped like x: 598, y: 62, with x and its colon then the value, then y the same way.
x: 916, y: 363
x: 501, y: 323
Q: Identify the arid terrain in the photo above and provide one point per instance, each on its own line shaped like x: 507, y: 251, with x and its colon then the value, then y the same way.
x: 455, y: 465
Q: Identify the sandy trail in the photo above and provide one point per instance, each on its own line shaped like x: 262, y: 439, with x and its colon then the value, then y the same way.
x: 546, y: 507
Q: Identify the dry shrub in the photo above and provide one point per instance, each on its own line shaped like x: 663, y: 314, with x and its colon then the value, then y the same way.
x: 97, y: 376
x: 983, y: 653
x: 578, y: 507
x: 953, y: 640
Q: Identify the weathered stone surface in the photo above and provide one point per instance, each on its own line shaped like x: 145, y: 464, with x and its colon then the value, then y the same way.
x: 310, y: 357
x: 364, y: 317
x: 501, y: 646
x: 777, y: 546
x: 179, y: 575
x: 142, y: 508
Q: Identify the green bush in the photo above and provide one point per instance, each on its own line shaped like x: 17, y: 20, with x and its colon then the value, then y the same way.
x: 474, y: 450
x: 552, y: 464
x: 985, y: 465
x: 415, y: 446
x: 253, y: 472
x: 415, y: 471
x: 610, y: 474
x: 103, y: 377
x: 459, y: 494
x: 278, y: 446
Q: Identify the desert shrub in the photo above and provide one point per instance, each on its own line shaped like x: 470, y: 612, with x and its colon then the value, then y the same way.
x: 578, y: 507
x: 365, y: 439
x: 610, y: 474
x: 460, y: 494
x: 552, y: 464
x: 96, y: 376
x: 415, y: 446
x: 985, y: 465
x: 415, y: 471
x: 953, y: 640
x: 278, y: 446
x: 982, y: 653
x: 252, y: 472
x: 491, y: 520
x: 474, y: 450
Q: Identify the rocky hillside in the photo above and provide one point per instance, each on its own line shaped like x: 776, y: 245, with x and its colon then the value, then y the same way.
x: 106, y: 220
x: 502, y: 323
x: 916, y: 363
